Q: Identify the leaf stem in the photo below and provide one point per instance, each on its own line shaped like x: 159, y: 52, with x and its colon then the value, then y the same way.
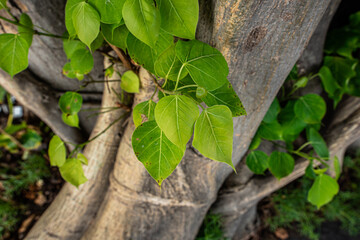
x: 121, y: 55
x: 187, y: 86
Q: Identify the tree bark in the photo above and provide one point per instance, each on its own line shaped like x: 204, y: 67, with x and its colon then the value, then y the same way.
x: 261, y: 41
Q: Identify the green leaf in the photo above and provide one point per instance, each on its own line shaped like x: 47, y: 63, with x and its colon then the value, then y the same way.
x: 301, y: 82
x: 206, y: 65
x: 323, y: 190
x: 97, y: 43
x: 176, y: 116
x: 86, y: 22
x: 115, y: 34
x: 81, y: 157
x: 31, y: 140
x: 28, y: 31
x: 179, y: 17
x: 73, y: 172
x: 337, y: 168
x: 69, y: 9
x: 68, y: 71
x: 144, y: 112
x: 3, y: 4
x: 213, y: 134
x: 145, y: 55
x: 153, y: 149
x: 130, y: 82
x: 330, y: 84
x: 309, y: 171
x: 2, y: 94
x: 71, y: 120
x: 291, y: 125
x: 226, y: 96
x: 82, y: 61
x: 71, y: 46
x: 273, y: 111
x: 143, y: 20
x: 168, y: 65
x: 310, y: 108
x: 255, y: 143
x: 342, y: 69
x: 201, y: 92
x: 281, y: 164
x: 110, y: 10
x: 70, y: 103
x: 270, y: 131
x: 14, y: 51
x: 318, y: 143
x: 257, y: 161
x: 57, y: 151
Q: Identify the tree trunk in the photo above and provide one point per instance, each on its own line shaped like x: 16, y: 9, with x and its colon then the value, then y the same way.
x: 261, y: 40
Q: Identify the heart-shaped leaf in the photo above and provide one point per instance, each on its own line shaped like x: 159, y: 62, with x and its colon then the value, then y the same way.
x: 57, y: 151
x: 144, y: 112
x: 310, y: 108
x: 70, y: 103
x: 281, y: 164
x: 257, y: 161
x: 130, y: 82
x: 26, y: 32
x: 323, y: 190
x: 73, y: 172
x: 110, y: 10
x: 69, y: 9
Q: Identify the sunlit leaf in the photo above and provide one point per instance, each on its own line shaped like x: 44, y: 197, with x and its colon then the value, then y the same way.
x: 71, y: 120
x: 57, y: 151
x: 110, y: 10
x: 73, y: 172
x: 130, y: 82
x: 69, y: 9
x: 70, y: 102
x: 144, y: 112
x: 323, y: 190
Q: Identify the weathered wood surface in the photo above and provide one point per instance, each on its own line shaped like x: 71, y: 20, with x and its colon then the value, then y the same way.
x: 40, y: 99
x: 73, y: 209
x: 261, y: 41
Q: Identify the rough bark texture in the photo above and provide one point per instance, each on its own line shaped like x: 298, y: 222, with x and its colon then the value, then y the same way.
x: 261, y: 41
x: 73, y: 209
x: 39, y: 98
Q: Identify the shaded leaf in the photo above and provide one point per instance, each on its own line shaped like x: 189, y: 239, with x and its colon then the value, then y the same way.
x: 257, y: 161
x: 310, y: 108
x: 273, y: 111
x: 115, y: 34
x: 318, y: 143
x: 270, y: 131
x: 281, y: 164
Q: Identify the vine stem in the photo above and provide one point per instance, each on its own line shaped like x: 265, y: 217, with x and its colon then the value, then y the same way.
x: 187, y: 86
x: 121, y: 55
x: 160, y: 88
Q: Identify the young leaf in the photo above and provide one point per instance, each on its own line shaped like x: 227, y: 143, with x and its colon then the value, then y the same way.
x: 225, y: 95
x: 213, y: 134
x: 82, y: 61
x: 341, y: 68
x: 143, y: 20
x: 176, y: 116
x: 257, y: 161
x: 273, y: 111
x: 115, y: 34
x: 3, y: 4
x: 144, y: 112
x: 81, y: 157
x: 281, y: 164
x: 71, y: 46
x: 323, y: 190
x: 71, y: 120
x: 110, y: 10
x: 73, y: 172
x: 130, y: 82
x: 153, y: 149
x: 14, y: 51
x: 168, y: 65
x: 86, y: 22
x: 57, y: 151
x: 26, y: 32
x: 310, y: 108
x: 318, y: 143
x: 206, y: 65
x: 69, y: 9
x: 179, y: 17
x: 70, y: 103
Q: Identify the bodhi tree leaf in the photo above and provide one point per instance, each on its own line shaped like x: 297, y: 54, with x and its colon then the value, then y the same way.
x: 69, y: 9
x: 71, y: 120
x: 176, y: 116
x: 310, y: 108
x: 82, y: 61
x: 143, y: 20
x: 201, y: 92
x: 31, y: 140
x: 97, y: 43
x: 153, y: 149
x: 323, y: 190
x: 81, y: 157
x: 179, y: 17
x: 130, y: 82
x: 14, y: 51
x: 281, y: 164
x: 225, y: 95
x: 57, y: 151
x: 257, y: 161
x: 318, y: 143
x: 3, y: 4
x: 270, y: 131
x: 168, y: 65
x: 115, y: 34
x: 144, y: 112
x: 73, y: 172
x: 213, y: 134
x: 71, y: 46
x: 206, y: 65
x: 330, y: 84
x: 341, y: 68
x: 86, y: 22
x: 110, y: 10
x: 273, y: 111
x: 70, y: 102
x: 27, y: 31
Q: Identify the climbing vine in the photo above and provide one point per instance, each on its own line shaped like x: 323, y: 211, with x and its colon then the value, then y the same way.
x: 160, y: 36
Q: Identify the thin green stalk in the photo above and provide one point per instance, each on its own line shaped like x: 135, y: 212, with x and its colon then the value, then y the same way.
x: 11, y: 115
